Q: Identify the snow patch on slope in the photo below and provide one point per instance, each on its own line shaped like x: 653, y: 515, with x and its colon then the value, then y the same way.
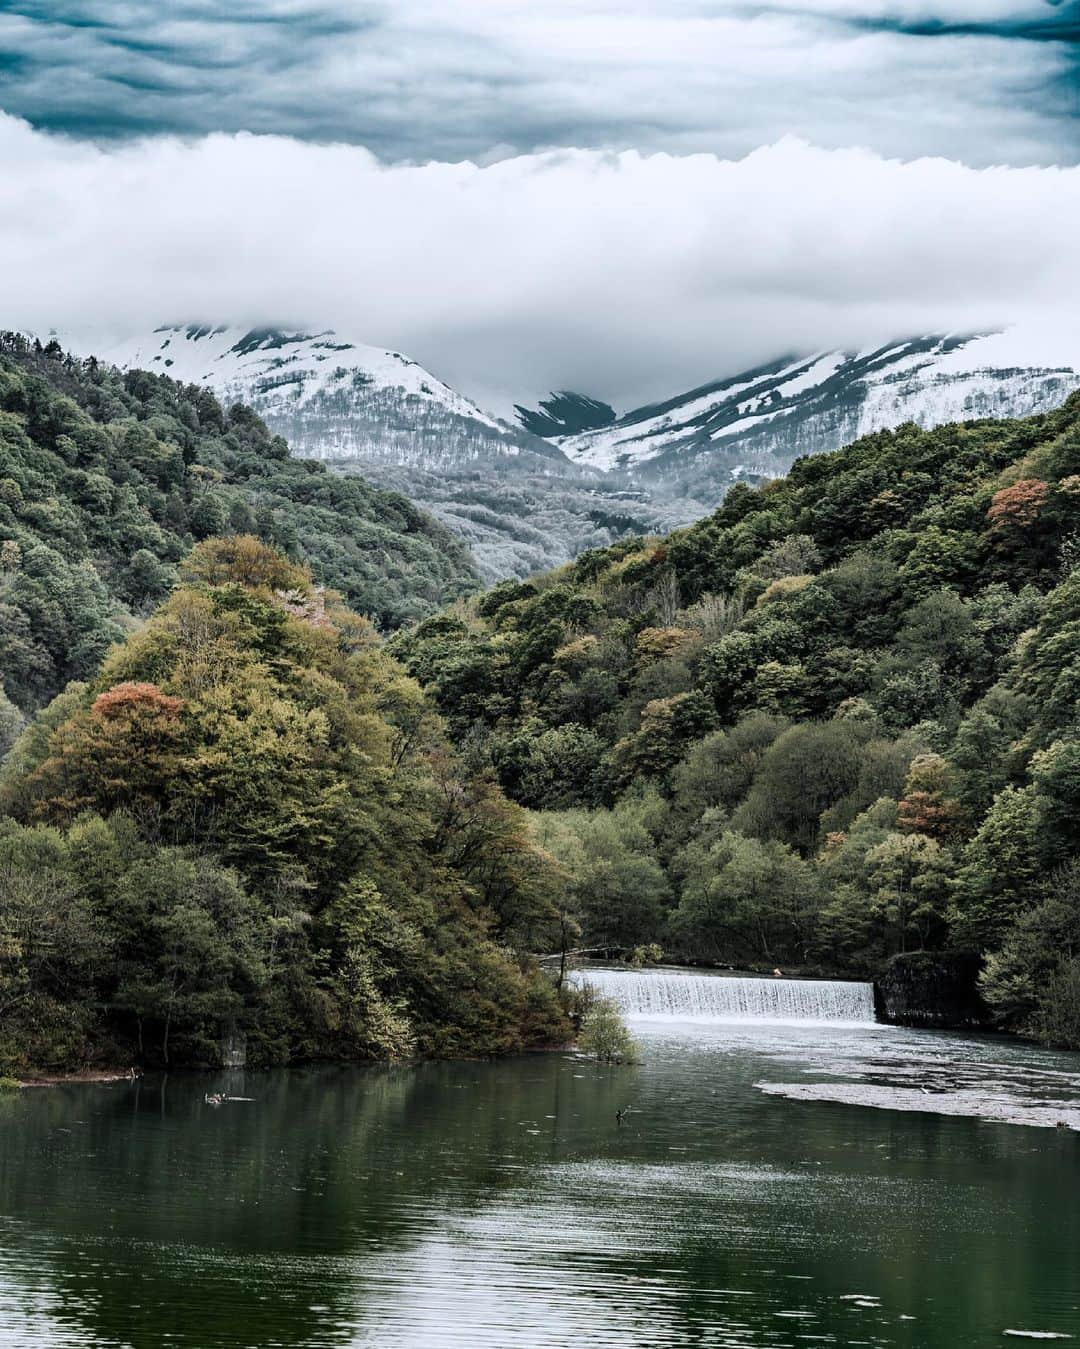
x: 331, y: 397
x: 827, y: 399
x: 300, y: 366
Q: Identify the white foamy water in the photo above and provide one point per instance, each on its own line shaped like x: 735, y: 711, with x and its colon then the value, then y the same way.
x: 680, y: 995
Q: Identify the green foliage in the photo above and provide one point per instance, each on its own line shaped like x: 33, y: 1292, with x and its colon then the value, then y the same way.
x: 1000, y: 870
x: 250, y: 822
x: 720, y: 769
x: 106, y: 481
x: 604, y: 1034
x: 1056, y: 1018
x: 833, y: 722
x: 806, y: 771
x: 51, y: 943
x: 556, y: 767
x: 1020, y: 980
x: 743, y: 898
x: 614, y: 873
x: 12, y: 723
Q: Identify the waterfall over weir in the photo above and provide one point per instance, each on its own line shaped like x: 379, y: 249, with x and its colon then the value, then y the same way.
x: 686, y: 996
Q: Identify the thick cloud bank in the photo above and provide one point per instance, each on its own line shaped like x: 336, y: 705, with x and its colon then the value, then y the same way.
x: 985, y: 81
x: 628, y: 276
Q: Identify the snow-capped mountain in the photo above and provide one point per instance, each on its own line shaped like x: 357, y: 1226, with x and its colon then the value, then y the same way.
x: 525, y: 501
x: 331, y: 397
x: 756, y: 423
x: 515, y: 498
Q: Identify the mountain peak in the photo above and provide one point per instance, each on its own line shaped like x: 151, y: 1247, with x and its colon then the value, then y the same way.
x: 275, y: 368
x: 565, y: 413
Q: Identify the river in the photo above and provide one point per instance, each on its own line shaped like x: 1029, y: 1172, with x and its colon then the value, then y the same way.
x: 771, y: 1184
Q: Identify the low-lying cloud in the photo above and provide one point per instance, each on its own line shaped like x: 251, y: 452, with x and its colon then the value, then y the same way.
x: 626, y: 275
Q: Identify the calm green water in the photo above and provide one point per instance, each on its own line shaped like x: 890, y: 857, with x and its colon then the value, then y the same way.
x: 501, y: 1204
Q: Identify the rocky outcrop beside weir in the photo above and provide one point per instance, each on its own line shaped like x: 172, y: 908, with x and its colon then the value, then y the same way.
x: 931, y: 989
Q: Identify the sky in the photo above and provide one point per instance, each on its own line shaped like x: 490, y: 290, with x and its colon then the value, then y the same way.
x: 625, y: 198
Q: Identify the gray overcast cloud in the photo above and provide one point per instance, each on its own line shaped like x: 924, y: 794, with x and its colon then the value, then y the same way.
x: 984, y: 81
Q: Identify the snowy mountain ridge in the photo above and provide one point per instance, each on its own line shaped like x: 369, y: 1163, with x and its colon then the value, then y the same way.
x: 758, y: 422
x: 332, y: 397
x: 513, y: 497
x: 526, y: 501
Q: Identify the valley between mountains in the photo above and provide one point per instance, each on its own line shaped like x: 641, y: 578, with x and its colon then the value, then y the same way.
x: 573, y: 474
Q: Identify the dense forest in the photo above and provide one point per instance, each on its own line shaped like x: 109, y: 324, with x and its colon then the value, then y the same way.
x: 836, y: 721
x: 224, y: 809
x: 833, y: 724
x: 107, y: 480
x: 249, y: 823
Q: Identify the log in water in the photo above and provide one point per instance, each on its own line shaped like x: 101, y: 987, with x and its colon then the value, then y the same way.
x: 684, y: 995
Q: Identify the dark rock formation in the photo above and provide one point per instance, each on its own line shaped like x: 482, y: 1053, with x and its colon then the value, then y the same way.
x: 565, y: 414
x: 931, y: 988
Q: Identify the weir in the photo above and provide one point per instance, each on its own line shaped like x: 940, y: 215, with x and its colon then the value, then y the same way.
x: 683, y: 995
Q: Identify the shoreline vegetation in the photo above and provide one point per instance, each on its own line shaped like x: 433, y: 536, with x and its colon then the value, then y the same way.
x: 829, y: 727
x: 250, y: 825
x: 610, y: 1044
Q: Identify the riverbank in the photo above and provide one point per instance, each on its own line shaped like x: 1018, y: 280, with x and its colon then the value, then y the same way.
x: 91, y: 1075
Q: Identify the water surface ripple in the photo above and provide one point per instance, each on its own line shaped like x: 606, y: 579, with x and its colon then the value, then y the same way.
x: 502, y: 1204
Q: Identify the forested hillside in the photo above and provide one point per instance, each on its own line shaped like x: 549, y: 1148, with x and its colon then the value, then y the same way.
x: 835, y: 721
x: 108, y: 479
x: 249, y: 822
